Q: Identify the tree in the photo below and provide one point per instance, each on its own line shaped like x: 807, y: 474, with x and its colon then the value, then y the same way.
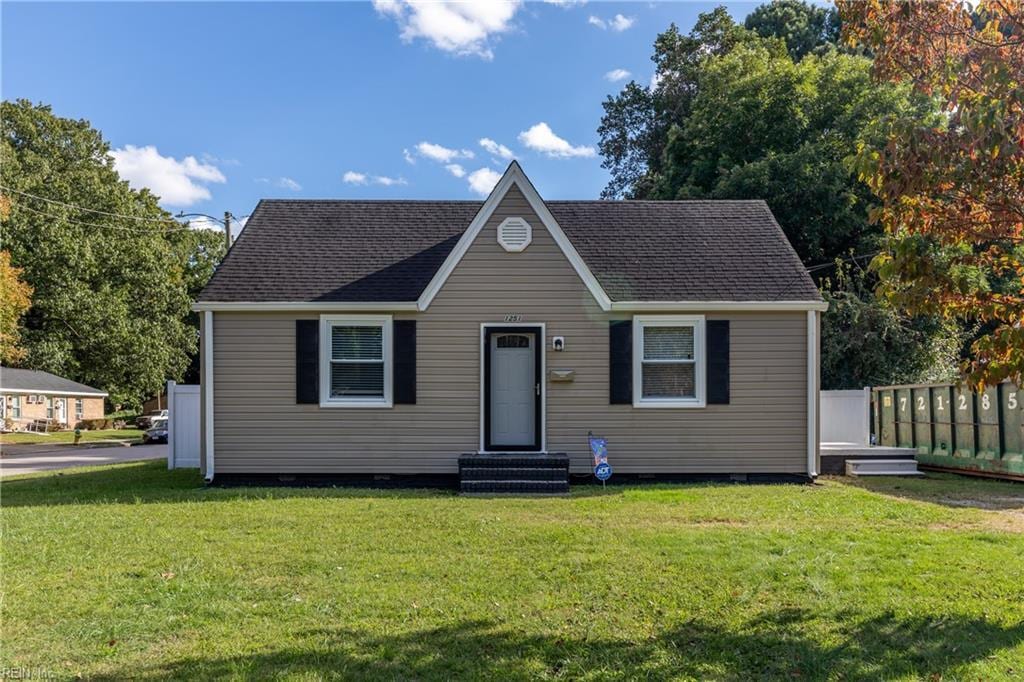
x: 803, y: 27
x: 773, y: 111
x: 762, y: 126
x: 111, y: 294
x: 635, y: 125
x: 870, y: 343
x: 952, y: 193
x: 15, y: 299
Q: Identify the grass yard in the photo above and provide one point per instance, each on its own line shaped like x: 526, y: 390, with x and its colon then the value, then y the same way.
x: 133, y: 571
x: 67, y: 437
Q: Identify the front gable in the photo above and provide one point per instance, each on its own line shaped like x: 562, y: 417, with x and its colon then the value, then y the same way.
x: 513, y: 201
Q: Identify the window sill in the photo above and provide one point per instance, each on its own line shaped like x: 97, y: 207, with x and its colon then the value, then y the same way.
x: 668, y: 403
x: 356, y: 403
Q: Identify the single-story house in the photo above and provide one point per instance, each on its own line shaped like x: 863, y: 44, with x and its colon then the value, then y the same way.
x: 388, y: 338
x: 28, y: 395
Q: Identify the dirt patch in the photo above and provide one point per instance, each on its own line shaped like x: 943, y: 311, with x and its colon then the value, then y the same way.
x: 1006, y: 521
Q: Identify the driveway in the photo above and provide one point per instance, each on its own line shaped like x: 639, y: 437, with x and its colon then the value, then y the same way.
x: 28, y: 459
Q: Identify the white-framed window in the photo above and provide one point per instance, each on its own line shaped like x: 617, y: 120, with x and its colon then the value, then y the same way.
x: 16, y: 407
x: 49, y: 407
x: 79, y: 409
x: 355, y: 361
x: 669, y: 367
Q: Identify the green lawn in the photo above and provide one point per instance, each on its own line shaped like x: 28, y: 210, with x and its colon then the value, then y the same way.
x: 64, y: 437
x: 136, y: 572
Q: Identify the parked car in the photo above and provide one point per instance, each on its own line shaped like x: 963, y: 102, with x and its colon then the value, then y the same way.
x: 157, y: 433
x: 146, y: 420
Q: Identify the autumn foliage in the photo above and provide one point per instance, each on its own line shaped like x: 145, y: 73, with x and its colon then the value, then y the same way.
x: 952, y: 195
x: 15, y: 299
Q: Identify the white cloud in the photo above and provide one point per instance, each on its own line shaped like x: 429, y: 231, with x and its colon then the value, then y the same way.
x: 409, y: 158
x: 177, y: 183
x: 456, y: 170
x: 498, y: 150
x: 621, y: 23
x: 617, y: 23
x: 462, y: 28
x: 483, y: 180
x: 282, y: 182
x: 436, y: 152
x: 355, y: 178
x: 542, y: 139
x: 565, y: 3
x: 655, y: 81
x: 388, y: 181
x: 616, y: 75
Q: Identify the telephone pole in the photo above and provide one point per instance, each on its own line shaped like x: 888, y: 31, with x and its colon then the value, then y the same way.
x: 227, y: 228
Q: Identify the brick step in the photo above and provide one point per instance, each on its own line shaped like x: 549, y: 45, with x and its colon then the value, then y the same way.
x: 551, y: 461
x: 515, y: 487
x: 478, y: 473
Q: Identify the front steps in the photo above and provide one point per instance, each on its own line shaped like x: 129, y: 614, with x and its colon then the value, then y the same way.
x: 514, y: 474
x: 882, y: 467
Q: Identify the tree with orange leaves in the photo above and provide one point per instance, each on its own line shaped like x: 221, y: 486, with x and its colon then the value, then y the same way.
x: 952, y: 196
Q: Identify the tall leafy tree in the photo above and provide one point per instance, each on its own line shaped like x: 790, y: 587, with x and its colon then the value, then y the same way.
x: 952, y: 194
x: 802, y: 26
x: 773, y: 110
x: 764, y: 126
x: 15, y: 299
x: 111, y: 294
x: 636, y: 122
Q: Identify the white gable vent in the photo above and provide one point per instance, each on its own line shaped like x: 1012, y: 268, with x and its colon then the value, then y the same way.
x: 514, y: 234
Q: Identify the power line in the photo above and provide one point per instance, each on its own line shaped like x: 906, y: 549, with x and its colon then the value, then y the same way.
x: 83, y: 208
x: 180, y: 228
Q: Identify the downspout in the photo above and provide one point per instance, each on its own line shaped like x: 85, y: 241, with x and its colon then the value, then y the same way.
x: 812, y: 393
x: 207, y: 381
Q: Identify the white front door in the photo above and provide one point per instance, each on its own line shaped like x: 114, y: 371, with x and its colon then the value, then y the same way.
x: 514, y: 390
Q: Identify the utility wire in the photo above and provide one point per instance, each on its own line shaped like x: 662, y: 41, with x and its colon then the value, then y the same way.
x: 180, y: 228
x: 83, y: 208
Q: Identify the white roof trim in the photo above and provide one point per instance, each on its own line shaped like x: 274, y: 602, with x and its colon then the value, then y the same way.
x: 323, y: 307
x: 51, y: 392
x: 698, y: 306
x: 513, y: 175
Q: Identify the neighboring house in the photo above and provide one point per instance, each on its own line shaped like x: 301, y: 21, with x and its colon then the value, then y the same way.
x: 28, y: 395
x: 391, y: 337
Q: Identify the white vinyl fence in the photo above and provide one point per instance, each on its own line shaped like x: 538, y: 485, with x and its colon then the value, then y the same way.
x: 846, y: 416
x: 182, y: 426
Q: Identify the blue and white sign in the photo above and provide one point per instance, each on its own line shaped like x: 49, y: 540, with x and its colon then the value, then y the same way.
x: 599, y: 449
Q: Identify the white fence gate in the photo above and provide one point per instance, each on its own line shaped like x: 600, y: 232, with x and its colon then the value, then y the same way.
x: 846, y: 416
x: 182, y: 426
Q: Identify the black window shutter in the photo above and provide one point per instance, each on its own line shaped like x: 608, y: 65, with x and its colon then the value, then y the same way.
x: 404, y: 351
x: 718, y: 362
x: 307, y: 361
x: 620, y: 347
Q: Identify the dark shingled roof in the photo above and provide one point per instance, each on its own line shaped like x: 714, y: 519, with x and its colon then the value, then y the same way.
x: 348, y: 251
x: 42, y: 382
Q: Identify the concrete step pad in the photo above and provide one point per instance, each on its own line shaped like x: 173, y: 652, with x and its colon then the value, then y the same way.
x: 882, y: 467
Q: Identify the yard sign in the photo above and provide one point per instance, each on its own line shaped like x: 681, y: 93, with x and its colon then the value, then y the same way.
x: 599, y: 448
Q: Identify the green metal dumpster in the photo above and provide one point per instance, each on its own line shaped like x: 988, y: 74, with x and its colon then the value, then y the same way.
x: 953, y: 428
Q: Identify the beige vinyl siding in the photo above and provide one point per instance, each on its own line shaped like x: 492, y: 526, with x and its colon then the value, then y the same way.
x: 260, y: 428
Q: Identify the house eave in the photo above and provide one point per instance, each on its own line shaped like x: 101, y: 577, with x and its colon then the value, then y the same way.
x: 698, y: 306
x: 303, y: 306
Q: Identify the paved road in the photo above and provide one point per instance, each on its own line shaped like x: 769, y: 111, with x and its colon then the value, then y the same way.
x: 27, y: 459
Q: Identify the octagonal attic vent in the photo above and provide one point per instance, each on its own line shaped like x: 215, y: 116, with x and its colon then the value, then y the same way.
x: 514, y: 234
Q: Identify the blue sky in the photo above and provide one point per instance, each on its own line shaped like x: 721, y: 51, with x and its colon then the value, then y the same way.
x: 220, y: 104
